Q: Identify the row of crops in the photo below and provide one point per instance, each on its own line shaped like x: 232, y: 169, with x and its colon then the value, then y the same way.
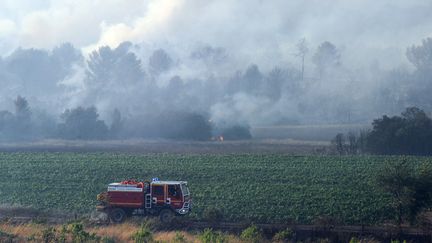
x: 261, y: 188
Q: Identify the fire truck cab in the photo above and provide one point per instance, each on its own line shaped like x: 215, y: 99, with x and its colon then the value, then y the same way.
x: 131, y: 197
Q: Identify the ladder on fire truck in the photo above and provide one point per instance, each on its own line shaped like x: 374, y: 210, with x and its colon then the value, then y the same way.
x: 148, y: 201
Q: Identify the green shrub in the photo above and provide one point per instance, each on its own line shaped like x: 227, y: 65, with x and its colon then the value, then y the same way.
x: 63, y: 232
x: 6, y: 237
x: 397, y: 241
x: 143, y: 235
x: 354, y: 240
x: 74, y: 231
x: 31, y: 238
x: 49, y: 235
x: 179, y: 238
x: 210, y: 236
x: 252, y: 234
x: 284, y: 235
x: 80, y: 235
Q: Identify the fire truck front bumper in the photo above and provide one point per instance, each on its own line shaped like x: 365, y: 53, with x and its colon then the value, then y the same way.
x: 187, y: 207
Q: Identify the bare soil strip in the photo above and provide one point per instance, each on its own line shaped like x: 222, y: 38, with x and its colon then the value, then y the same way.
x: 256, y: 146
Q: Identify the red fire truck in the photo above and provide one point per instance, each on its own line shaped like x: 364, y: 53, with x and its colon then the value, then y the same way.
x: 131, y: 197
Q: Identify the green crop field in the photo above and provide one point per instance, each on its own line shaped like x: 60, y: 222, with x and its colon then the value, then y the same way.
x: 262, y: 188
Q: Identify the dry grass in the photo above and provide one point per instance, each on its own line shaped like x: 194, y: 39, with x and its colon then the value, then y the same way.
x: 124, y: 232
x: 169, y: 236
x: 22, y: 231
x: 120, y: 232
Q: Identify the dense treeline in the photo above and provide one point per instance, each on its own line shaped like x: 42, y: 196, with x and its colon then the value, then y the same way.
x: 144, y: 85
x: 410, y: 133
x: 83, y: 123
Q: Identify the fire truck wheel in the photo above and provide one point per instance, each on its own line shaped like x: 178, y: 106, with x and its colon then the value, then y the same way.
x: 166, y: 216
x: 117, y: 215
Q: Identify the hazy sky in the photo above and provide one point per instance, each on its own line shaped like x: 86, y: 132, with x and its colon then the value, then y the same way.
x: 256, y: 29
x: 367, y: 33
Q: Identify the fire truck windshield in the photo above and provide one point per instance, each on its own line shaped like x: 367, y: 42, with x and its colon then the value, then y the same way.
x: 185, y: 189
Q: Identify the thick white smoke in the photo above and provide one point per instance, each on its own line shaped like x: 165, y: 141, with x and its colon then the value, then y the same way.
x: 258, y: 31
x: 366, y: 32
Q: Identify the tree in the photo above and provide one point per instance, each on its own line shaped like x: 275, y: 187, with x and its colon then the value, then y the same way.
x: 114, y: 77
x: 39, y: 71
x: 348, y: 144
x: 419, y: 82
x: 210, y: 55
x: 421, y: 56
x: 352, y: 147
x: 302, y: 51
x: 183, y: 126
x: 20, y: 125
x: 117, y: 69
x: 273, y: 83
x: 174, y: 88
x: 82, y: 123
x: 410, y: 133
x: 116, y: 124
x: 391, y: 95
x: 22, y: 118
x: 22, y: 109
x: 64, y: 57
x: 410, y: 190
x: 33, y: 68
x: 251, y: 80
x: 160, y: 62
x: 397, y: 180
x: 339, y: 143
x: 114, y: 66
x: 362, y: 141
x: 326, y: 57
